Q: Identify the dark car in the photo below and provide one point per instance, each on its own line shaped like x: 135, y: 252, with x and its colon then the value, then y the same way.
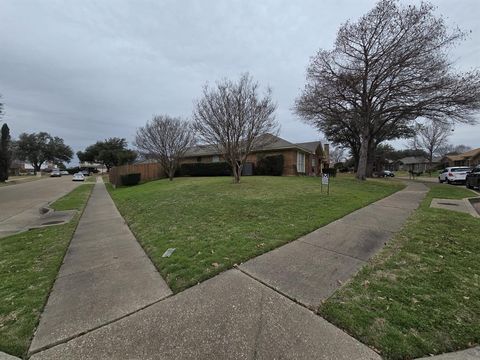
x: 473, y: 178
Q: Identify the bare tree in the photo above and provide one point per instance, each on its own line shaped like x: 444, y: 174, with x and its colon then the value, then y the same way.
x: 449, y: 149
x: 459, y: 149
x: 234, y: 118
x: 430, y: 136
x: 386, y: 70
x: 165, y: 139
x: 337, y: 154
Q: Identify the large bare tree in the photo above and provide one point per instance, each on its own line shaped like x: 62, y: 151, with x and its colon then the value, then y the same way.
x: 386, y: 70
x: 234, y: 118
x: 165, y: 139
x: 430, y: 136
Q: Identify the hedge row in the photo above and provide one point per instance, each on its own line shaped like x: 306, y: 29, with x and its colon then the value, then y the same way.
x: 204, y: 169
x: 130, y: 179
x: 270, y: 165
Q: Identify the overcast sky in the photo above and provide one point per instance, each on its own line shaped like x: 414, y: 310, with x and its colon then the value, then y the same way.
x: 89, y: 70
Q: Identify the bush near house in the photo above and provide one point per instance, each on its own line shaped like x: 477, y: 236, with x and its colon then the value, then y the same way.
x: 205, y: 169
x: 130, y: 179
x: 270, y: 165
x: 332, y: 172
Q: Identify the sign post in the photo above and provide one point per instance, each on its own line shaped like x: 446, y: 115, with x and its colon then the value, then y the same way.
x: 325, y: 181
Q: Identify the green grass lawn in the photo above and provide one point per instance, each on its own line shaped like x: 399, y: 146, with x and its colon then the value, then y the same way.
x: 214, y: 224
x: 29, y: 263
x: 421, y: 294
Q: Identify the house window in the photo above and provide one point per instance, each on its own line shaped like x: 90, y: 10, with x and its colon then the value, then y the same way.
x: 313, y: 162
x: 215, y: 158
x: 300, y: 162
x: 199, y: 159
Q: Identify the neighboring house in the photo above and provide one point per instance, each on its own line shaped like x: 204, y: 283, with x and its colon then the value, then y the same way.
x: 413, y: 163
x: 307, y: 158
x: 469, y: 158
x: 18, y: 167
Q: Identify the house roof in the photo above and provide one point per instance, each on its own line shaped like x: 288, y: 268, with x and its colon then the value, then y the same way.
x: 267, y: 142
x: 471, y: 153
x: 409, y: 160
x: 465, y: 155
x: 310, y: 146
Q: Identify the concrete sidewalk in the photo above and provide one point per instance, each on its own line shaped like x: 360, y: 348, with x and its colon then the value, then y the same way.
x: 105, y: 275
x: 230, y: 316
x: 235, y: 316
x: 311, y: 268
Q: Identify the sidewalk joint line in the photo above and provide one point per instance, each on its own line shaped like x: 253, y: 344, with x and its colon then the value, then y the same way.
x: 296, y: 301
x: 109, y: 322
x: 333, y: 251
x: 314, y: 311
x: 98, y: 267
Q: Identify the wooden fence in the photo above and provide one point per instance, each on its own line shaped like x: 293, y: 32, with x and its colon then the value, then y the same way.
x: 148, y: 172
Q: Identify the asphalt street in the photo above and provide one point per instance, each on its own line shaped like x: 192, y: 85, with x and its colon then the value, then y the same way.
x: 25, y: 199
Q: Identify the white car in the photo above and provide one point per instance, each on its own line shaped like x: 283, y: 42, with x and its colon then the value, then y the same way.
x: 456, y: 174
x: 78, y: 177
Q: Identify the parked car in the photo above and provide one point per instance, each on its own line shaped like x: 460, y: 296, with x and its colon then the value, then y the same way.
x: 64, y: 172
x: 55, y: 173
x: 78, y: 177
x: 85, y: 172
x: 473, y: 178
x: 451, y: 175
x: 386, y: 173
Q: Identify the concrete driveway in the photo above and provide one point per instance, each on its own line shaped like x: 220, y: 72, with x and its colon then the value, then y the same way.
x: 21, y: 202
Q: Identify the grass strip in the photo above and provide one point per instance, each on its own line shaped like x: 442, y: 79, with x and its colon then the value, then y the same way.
x: 421, y: 294
x: 29, y: 263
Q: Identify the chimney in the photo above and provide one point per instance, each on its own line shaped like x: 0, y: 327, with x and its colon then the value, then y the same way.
x: 326, y: 154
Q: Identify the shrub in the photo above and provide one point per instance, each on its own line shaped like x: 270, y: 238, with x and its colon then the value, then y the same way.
x: 270, y: 165
x: 205, y: 169
x: 332, y: 172
x: 130, y: 179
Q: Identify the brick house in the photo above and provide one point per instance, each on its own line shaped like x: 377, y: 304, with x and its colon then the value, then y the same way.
x: 470, y: 158
x: 307, y: 158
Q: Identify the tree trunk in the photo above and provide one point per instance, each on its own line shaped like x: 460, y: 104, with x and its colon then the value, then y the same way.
x: 363, y: 158
x: 430, y: 162
x: 170, y: 171
x: 236, y: 173
x: 370, y: 158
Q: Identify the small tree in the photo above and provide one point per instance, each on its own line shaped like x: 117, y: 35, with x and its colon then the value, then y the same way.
x: 110, y: 152
x: 430, y: 136
x: 5, y: 152
x: 165, y: 139
x: 37, y: 148
x: 233, y: 118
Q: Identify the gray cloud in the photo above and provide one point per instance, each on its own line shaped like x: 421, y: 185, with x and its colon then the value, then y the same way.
x: 87, y: 70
